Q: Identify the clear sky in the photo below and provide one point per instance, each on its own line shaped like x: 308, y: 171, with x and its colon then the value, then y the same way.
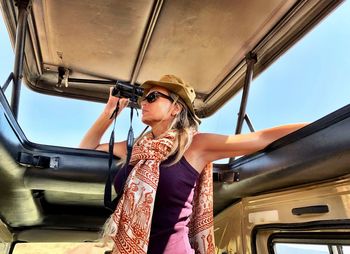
x: 308, y: 82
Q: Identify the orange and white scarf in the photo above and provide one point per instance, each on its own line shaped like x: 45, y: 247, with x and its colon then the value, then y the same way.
x: 133, y: 215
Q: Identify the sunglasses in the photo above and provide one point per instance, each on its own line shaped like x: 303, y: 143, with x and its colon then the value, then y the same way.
x: 153, y: 96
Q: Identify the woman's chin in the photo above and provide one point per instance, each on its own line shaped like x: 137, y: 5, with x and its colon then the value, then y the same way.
x: 146, y: 121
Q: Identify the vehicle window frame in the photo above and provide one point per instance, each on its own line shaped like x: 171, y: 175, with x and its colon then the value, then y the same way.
x: 298, y: 229
x: 315, y: 238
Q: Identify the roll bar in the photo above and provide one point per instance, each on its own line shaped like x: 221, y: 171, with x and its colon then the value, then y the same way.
x: 251, y: 59
x: 19, y: 53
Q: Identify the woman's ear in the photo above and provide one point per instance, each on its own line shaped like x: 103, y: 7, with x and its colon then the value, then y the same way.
x: 177, y: 109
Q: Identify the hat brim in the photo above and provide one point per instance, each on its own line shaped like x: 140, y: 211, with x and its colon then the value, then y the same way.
x: 175, y: 88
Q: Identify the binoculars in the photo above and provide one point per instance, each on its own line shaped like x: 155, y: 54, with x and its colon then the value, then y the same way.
x: 125, y: 90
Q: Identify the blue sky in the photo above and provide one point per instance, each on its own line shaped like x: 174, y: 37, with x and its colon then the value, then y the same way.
x: 308, y: 82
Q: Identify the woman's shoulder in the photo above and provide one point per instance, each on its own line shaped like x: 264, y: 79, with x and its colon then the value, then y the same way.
x: 195, y: 155
x: 202, y: 140
x: 199, y: 142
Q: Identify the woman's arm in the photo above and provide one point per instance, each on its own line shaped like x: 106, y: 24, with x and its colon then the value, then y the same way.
x: 213, y: 147
x: 92, y: 138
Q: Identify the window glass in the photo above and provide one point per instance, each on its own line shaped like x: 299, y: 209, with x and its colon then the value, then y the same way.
x: 294, y: 248
x: 346, y: 249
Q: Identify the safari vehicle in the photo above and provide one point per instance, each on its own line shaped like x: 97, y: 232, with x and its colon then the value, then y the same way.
x: 294, y: 192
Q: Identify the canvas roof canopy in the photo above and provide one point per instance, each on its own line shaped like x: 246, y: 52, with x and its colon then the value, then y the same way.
x: 203, y: 42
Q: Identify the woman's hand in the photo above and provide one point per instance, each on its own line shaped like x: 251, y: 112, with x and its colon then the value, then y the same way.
x: 112, y: 103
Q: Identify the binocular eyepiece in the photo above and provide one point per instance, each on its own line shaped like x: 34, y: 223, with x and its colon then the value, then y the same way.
x: 125, y: 90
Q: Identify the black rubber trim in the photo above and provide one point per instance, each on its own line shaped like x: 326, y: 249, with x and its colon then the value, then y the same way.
x: 13, y: 245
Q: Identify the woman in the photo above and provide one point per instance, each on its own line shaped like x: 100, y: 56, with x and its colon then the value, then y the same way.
x: 170, y: 171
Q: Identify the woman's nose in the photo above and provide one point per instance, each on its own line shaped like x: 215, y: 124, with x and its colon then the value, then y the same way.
x: 143, y: 103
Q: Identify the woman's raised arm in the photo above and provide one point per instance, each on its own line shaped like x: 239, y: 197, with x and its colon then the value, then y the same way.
x: 92, y: 138
x: 213, y: 147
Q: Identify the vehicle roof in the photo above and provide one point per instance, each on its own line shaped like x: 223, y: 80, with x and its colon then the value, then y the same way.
x: 204, y: 42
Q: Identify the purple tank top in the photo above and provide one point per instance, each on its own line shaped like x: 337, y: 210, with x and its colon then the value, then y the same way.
x: 172, y: 207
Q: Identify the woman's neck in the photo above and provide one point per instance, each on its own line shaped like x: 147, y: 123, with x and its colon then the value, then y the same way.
x: 159, y: 130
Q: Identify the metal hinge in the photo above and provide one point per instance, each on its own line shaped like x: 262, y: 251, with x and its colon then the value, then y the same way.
x: 226, y: 176
x: 37, y: 161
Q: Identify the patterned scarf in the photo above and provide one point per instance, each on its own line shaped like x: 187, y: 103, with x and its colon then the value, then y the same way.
x: 133, y: 215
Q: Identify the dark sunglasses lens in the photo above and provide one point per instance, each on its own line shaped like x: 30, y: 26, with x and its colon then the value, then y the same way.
x: 151, y: 97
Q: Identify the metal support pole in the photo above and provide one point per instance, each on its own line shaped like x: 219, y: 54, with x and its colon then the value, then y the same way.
x: 251, y: 59
x: 19, y: 54
x: 249, y: 123
x: 7, y: 82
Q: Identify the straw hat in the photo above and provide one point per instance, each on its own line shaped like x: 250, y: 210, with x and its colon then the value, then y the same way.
x: 177, y: 86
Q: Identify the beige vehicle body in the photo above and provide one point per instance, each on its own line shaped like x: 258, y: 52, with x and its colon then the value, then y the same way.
x: 295, y: 191
x: 247, y: 226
